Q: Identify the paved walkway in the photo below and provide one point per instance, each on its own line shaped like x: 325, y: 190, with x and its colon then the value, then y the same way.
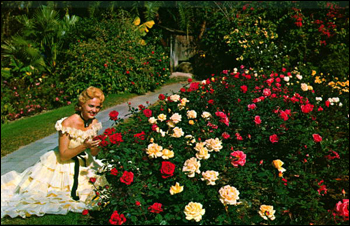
x: 28, y: 155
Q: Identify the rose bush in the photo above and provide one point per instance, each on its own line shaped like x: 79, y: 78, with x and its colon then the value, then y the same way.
x: 215, y: 153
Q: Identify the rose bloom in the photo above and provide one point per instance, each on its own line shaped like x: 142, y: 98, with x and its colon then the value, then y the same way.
x: 202, y: 153
x: 317, y: 138
x: 117, y: 219
x: 113, y: 115
x: 152, y: 120
x: 213, y: 144
x: 206, y: 115
x: 175, y: 98
x: 266, y: 212
x: 127, y: 178
x: 194, y: 211
x: 155, y: 208
x: 342, y: 209
x: 176, y: 118
x: 238, y: 158
x: 257, y: 119
x: 210, y: 176
x: 274, y: 138
x: 278, y: 165
x: 176, y: 189
x: 147, y: 112
x: 171, y: 124
x: 167, y: 154
x: 304, y: 87
x: 191, y: 166
x: 229, y: 195
x: 167, y: 169
x: 161, y: 117
x: 154, y: 150
x: 177, y: 132
x: 191, y: 114
x: 266, y: 92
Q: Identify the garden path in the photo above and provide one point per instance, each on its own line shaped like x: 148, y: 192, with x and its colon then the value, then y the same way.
x: 28, y: 155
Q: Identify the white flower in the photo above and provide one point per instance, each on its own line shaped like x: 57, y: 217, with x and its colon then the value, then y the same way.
x: 214, y: 144
x: 299, y: 77
x: 286, y: 78
x: 152, y: 120
x: 191, y: 114
x: 177, y: 132
x: 175, y: 98
x: 206, y: 115
x: 176, y: 118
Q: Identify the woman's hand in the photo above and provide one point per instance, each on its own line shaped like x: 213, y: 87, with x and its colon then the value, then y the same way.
x: 88, y: 143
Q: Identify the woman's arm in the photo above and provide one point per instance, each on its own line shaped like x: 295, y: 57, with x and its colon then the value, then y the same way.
x: 67, y: 153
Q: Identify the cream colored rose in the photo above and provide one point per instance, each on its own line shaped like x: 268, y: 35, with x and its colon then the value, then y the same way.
x: 304, y: 87
x: 299, y: 77
x: 191, y: 166
x: 171, y: 124
x: 229, y: 195
x: 175, y: 98
x: 191, y: 114
x: 214, y: 144
x: 206, y: 115
x: 161, y: 117
x: 203, y: 153
x: 154, y: 150
x: 266, y: 212
x: 286, y: 78
x: 210, y: 176
x: 176, y: 118
x: 167, y: 154
x: 278, y: 165
x: 194, y: 211
x: 184, y: 101
x: 177, y: 132
x: 152, y: 120
x: 199, y: 146
x: 176, y: 189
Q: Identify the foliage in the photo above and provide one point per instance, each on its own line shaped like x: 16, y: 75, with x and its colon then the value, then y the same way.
x: 111, y: 54
x: 274, y: 35
x: 270, y: 138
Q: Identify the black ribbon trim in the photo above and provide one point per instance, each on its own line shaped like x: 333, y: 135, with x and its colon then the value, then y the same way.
x: 76, y: 175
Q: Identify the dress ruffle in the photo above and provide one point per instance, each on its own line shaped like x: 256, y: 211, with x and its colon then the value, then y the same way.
x: 45, y: 188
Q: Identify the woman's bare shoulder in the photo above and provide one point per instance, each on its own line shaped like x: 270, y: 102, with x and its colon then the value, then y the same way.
x: 71, y: 121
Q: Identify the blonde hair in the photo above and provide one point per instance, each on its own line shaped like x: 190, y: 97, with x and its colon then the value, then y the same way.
x: 88, y: 94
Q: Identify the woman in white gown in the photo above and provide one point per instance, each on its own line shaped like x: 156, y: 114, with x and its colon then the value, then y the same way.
x: 60, y: 181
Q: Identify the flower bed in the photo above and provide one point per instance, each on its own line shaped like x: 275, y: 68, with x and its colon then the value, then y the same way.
x: 237, y: 148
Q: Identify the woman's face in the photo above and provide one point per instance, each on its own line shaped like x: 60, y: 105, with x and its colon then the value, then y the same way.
x: 91, y: 108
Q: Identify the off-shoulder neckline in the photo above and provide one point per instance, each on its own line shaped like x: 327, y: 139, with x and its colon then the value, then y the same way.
x: 92, y: 126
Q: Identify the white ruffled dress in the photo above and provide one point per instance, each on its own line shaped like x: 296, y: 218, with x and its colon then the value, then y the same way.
x: 45, y: 188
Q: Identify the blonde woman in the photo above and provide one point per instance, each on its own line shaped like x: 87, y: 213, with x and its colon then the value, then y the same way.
x: 62, y: 180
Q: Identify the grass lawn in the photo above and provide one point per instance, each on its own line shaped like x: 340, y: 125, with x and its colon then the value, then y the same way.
x: 49, y: 219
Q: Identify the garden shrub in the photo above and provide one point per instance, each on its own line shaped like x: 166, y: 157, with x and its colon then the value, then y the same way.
x: 114, y: 58
x: 237, y: 148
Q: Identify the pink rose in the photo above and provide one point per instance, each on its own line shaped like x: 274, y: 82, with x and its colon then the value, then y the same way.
x: 274, y: 138
x: 251, y: 107
x: 257, y: 119
x: 267, y: 92
x: 317, y: 138
x: 238, y: 158
x: 342, y: 209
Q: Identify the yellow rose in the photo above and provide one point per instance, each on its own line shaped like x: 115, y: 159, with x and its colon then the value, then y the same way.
x: 167, y: 154
x: 194, y: 211
x: 278, y: 165
x: 210, y: 176
x: 161, y: 117
x: 177, y: 132
x: 202, y: 153
x: 191, y: 166
x: 176, y: 189
x: 191, y: 122
x: 266, y: 212
x: 154, y: 150
x: 191, y: 114
x: 304, y: 87
x: 229, y: 195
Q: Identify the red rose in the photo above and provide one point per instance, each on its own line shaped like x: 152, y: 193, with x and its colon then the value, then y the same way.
x: 140, y: 136
x: 117, y: 219
x: 317, y: 138
x: 85, y: 212
x: 92, y: 180
x: 274, y: 138
x: 127, y: 178
x: 116, y: 138
x: 147, y: 112
x: 114, y: 172
x: 257, y: 119
x: 156, y: 208
x: 137, y: 203
x: 113, y: 115
x: 109, y: 131
x: 167, y: 169
x: 244, y: 88
x: 161, y: 96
